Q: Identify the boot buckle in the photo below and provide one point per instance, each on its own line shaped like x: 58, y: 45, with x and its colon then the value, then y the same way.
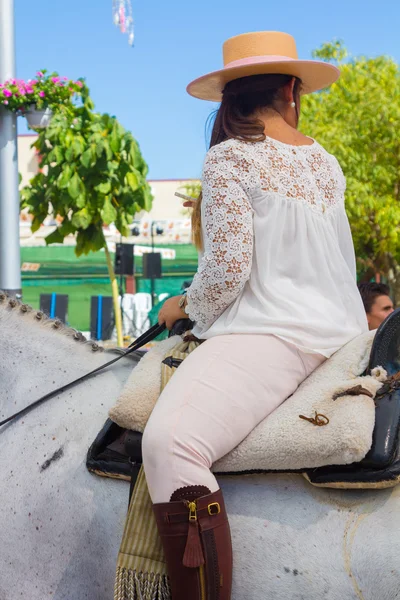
x: 214, y: 509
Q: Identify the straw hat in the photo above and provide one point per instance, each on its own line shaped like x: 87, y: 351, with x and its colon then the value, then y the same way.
x: 260, y: 53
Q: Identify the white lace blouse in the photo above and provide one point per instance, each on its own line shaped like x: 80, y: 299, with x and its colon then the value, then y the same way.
x: 278, y: 253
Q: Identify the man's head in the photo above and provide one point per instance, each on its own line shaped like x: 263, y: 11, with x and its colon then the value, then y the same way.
x: 377, y: 302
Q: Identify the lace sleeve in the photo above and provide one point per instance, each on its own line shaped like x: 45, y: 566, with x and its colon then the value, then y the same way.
x: 227, y: 227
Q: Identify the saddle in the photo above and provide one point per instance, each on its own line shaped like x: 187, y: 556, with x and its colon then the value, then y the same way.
x: 116, y: 452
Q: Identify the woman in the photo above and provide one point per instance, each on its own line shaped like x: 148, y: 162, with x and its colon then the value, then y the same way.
x: 274, y: 295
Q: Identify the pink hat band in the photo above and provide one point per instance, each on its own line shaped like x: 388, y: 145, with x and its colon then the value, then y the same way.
x: 253, y: 60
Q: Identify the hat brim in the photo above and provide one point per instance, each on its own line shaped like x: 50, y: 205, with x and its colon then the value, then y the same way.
x: 315, y: 75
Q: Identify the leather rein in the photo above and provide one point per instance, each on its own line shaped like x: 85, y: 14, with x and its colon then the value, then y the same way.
x: 145, y: 338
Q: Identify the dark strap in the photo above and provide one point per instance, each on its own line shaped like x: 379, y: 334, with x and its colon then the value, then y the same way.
x: 144, y: 339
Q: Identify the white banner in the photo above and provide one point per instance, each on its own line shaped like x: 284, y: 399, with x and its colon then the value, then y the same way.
x: 166, y: 253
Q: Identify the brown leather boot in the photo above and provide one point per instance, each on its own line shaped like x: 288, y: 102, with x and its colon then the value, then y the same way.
x: 195, y: 534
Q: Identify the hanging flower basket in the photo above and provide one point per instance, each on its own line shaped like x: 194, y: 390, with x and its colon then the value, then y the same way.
x: 38, y: 118
x: 38, y: 98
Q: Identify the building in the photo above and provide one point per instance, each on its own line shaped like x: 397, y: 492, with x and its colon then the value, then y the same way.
x: 28, y: 163
x: 167, y: 211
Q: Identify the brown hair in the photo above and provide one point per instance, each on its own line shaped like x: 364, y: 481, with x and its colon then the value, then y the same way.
x: 235, y: 118
x: 370, y: 292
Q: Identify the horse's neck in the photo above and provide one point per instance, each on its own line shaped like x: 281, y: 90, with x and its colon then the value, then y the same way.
x: 35, y: 358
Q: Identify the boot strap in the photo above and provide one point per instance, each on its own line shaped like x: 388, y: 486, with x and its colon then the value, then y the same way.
x: 211, y: 510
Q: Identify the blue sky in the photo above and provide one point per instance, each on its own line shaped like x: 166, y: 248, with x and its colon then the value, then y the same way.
x: 177, y: 41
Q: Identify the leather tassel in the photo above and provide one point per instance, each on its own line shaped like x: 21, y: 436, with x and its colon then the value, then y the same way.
x: 193, y: 556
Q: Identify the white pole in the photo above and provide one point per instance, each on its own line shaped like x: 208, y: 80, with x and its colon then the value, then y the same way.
x: 10, y: 261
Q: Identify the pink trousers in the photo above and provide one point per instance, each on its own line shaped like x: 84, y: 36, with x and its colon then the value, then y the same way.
x: 213, y: 401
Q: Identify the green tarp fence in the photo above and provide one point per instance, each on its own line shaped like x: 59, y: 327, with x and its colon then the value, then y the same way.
x: 61, y: 272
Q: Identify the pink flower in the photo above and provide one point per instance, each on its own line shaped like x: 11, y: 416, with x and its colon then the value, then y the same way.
x: 42, y: 94
x: 40, y: 74
x: 7, y: 93
x: 29, y: 90
x: 55, y: 79
x: 22, y: 92
x: 33, y: 82
x: 5, y: 102
x: 65, y: 78
x: 79, y: 83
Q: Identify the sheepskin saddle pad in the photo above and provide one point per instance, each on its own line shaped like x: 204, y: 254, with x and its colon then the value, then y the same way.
x: 329, y: 420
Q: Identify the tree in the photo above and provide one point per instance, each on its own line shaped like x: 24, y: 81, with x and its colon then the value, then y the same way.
x: 358, y: 120
x: 91, y: 174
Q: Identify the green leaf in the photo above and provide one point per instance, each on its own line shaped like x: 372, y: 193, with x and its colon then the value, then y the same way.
x: 56, y: 237
x: 36, y: 223
x: 69, y: 154
x: 90, y: 240
x: 76, y: 187
x: 132, y: 180
x: 82, y: 244
x: 59, y: 154
x: 80, y: 201
x: 99, y: 148
x: 66, y: 228
x: 112, y: 165
x: 103, y: 188
x: 89, y: 104
x: 109, y: 153
x: 55, y: 156
x: 69, y: 137
x: 97, y: 239
x: 86, y: 158
x: 122, y: 225
x: 64, y: 177
x: 81, y: 219
x: 78, y: 146
x: 115, y: 138
x: 148, y: 199
x: 108, y: 213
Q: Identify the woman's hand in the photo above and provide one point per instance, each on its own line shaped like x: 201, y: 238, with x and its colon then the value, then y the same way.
x: 170, y: 312
x: 190, y: 203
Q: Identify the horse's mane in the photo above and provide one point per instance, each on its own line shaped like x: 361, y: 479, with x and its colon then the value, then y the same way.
x: 39, y: 317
